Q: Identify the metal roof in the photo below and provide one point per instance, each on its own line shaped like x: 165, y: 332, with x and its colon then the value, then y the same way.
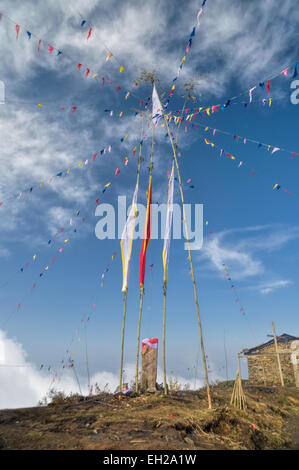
x: 284, y: 338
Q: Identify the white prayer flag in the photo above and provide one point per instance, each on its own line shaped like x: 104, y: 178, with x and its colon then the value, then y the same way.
x: 157, y: 107
x: 167, y: 234
x: 127, y: 240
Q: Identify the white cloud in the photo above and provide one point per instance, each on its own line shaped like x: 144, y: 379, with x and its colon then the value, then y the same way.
x: 23, y: 383
x: 243, y: 251
x: 243, y: 263
x: 272, y: 286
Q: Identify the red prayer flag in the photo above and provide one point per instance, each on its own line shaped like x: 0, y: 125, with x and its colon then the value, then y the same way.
x: 89, y: 33
x: 146, y: 233
x: 17, y: 31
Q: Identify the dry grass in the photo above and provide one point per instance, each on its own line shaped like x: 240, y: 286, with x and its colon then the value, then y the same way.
x: 179, y: 421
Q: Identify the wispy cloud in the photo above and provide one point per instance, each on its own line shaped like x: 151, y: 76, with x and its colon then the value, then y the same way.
x: 243, y: 250
x: 271, y: 286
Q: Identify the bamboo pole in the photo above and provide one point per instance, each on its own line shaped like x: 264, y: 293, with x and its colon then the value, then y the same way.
x: 138, y: 338
x: 165, y: 290
x: 142, y: 287
x: 86, y: 355
x: 76, y: 377
x: 225, y: 355
x: 126, y: 291
x: 122, y: 342
x: 238, y: 398
x: 191, y: 266
x: 278, y: 358
x: 164, y: 330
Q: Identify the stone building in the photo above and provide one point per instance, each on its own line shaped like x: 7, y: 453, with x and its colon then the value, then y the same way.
x: 263, y: 367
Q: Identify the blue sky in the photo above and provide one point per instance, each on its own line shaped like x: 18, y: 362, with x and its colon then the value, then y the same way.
x: 255, y: 230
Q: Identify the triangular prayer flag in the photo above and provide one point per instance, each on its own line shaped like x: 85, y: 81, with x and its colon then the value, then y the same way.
x: 89, y: 33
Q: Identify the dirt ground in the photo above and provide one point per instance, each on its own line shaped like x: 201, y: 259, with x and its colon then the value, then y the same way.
x: 180, y: 421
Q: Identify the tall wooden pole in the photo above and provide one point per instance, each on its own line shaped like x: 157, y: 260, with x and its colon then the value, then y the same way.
x: 278, y: 358
x: 86, y: 355
x: 122, y: 342
x: 191, y: 266
x: 138, y: 338
x: 165, y: 290
x: 126, y: 291
x: 142, y: 287
x: 225, y: 355
x: 76, y: 377
x: 163, y: 341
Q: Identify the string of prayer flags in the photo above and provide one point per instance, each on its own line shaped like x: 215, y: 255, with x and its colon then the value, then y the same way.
x: 62, y: 228
x: 240, y: 163
x: 59, y: 51
x: 233, y: 287
x: 66, y: 172
x: 189, y: 44
x: 67, y: 361
x: 237, y: 138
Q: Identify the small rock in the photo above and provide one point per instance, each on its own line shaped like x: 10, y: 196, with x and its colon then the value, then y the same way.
x: 188, y: 440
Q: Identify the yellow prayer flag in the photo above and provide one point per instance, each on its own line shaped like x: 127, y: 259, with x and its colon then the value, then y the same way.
x: 122, y: 68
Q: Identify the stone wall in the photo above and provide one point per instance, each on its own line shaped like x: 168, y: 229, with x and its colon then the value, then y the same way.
x: 149, y: 369
x: 263, y: 370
